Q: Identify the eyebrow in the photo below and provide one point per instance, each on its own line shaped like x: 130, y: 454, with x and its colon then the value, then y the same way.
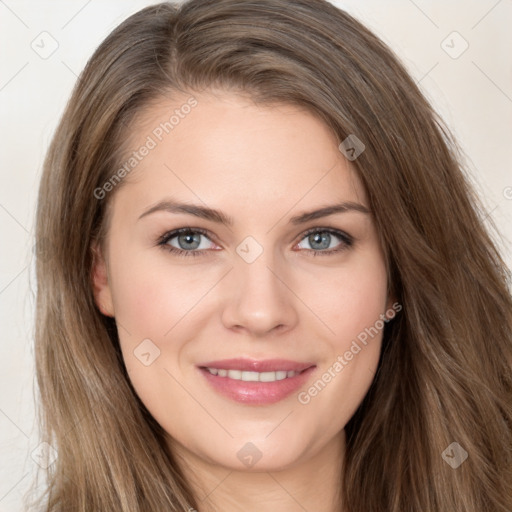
x: 219, y: 217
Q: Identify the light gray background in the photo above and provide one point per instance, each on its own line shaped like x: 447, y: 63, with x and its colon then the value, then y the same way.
x: 473, y: 93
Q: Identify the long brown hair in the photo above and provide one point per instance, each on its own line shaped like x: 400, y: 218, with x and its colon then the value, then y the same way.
x: 445, y: 370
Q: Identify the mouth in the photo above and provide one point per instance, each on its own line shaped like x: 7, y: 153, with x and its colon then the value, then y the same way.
x: 256, y: 382
x: 253, y: 376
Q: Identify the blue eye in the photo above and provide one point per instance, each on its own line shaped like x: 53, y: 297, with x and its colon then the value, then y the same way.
x: 320, y: 240
x: 188, y: 241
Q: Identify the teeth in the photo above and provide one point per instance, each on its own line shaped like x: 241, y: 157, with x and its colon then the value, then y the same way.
x: 253, y: 376
x: 250, y: 376
x: 267, y: 377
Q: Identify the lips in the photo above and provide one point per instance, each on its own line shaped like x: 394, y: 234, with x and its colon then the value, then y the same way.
x: 255, y: 382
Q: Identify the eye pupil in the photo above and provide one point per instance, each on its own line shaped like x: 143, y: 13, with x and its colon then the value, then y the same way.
x: 189, y: 238
x: 323, y: 239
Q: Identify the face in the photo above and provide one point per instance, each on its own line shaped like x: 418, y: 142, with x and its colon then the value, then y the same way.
x: 243, y: 315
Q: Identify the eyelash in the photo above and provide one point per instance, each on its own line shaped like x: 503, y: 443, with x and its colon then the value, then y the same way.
x: 346, y: 241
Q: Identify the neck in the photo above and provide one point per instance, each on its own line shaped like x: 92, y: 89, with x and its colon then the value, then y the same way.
x: 311, y: 484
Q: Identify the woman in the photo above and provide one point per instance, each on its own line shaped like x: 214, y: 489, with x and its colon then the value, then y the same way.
x: 193, y: 352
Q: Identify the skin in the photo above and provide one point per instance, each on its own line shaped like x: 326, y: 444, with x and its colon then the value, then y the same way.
x: 261, y: 165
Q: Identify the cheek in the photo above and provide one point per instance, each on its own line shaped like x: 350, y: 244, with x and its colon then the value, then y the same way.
x: 150, y: 296
x: 351, y: 305
x: 350, y: 300
x: 148, y: 304
x: 156, y: 311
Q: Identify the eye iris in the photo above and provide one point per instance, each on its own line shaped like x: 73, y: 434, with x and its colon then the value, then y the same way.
x: 189, y: 238
x: 323, y: 239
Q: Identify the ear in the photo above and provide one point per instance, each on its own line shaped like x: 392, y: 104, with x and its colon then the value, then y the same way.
x: 101, y: 287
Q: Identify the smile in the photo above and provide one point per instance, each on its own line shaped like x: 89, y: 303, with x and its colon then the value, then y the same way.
x: 253, y: 382
x: 253, y: 376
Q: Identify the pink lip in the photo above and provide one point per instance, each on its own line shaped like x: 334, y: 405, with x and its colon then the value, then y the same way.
x: 257, y: 393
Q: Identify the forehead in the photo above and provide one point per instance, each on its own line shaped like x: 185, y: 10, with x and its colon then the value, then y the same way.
x: 220, y: 147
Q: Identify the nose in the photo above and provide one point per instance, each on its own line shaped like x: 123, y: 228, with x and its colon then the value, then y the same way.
x: 259, y: 299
